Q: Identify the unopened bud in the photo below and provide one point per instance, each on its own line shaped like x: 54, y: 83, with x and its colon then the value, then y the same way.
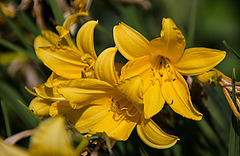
x: 209, y: 78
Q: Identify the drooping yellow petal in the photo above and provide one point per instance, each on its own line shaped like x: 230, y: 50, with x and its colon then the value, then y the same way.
x: 130, y: 43
x: 73, y: 19
x: 63, y: 61
x: 198, y: 60
x: 48, y: 93
x: 104, y: 66
x: 84, y: 38
x: 40, y: 107
x: 80, y: 92
x: 171, y: 44
x: 153, y: 100
x: 7, y: 150
x: 132, y: 89
x: 100, y: 118
x: 152, y: 135
x: 51, y: 138
x: 175, y: 92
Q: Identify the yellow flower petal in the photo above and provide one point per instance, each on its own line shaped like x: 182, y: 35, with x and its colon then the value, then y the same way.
x: 130, y: 43
x: 64, y: 33
x: 51, y: 36
x: 132, y: 89
x: 51, y: 138
x: 135, y: 67
x: 154, y: 136
x: 48, y: 93
x: 73, y: 19
x: 198, y: 60
x: 176, y: 93
x: 100, y: 118
x: 80, y: 92
x: 153, y: 100
x: 40, y: 107
x: 40, y: 41
x: 63, y: 61
x: 104, y: 66
x: 171, y: 44
x: 59, y: 108
x: 84, y: 38
x: 54, y: 80
x: 7, y: 150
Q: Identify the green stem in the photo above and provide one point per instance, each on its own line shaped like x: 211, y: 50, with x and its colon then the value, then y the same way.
x: 84, y: 143
x: 234, y: 138
x: 231, y: 49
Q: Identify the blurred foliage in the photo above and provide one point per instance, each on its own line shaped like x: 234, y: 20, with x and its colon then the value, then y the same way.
x: 204, y: 23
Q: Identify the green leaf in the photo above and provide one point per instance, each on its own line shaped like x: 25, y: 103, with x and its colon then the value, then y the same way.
x: 57, y: 12
x: 28, y: 24
x: 16, y: 102
x: 16, y: 48
x: 18, y: 32
x: 6, y: 118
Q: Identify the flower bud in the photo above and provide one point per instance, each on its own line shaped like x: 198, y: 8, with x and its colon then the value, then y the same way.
x: 209, y: 78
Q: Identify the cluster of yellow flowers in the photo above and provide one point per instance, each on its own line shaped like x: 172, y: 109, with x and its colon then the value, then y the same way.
x: 96, y: 94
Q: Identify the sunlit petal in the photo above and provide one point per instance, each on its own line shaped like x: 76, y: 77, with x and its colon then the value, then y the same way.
x: 171, y: 44
x: 63, y: 61
x: 152, y: 135
x: 135, y: 67
x: 153, y: 100
x: 84, y: 39
x: 104, y: 66
x: 130, y: 43
x: 81, y: 92
x: 100, y: 118
x: 176, y: 93
x: 51, y: 138
x: 198, y: 60
x: 132, y: 89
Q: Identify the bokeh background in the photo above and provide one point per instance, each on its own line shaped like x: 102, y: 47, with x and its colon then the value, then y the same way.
x: 204, y: 23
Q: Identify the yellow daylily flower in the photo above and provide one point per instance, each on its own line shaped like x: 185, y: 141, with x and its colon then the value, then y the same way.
x: 102, y: 105
x: 160, y: 63
x: 50, y: 138
x: 62, y: 56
